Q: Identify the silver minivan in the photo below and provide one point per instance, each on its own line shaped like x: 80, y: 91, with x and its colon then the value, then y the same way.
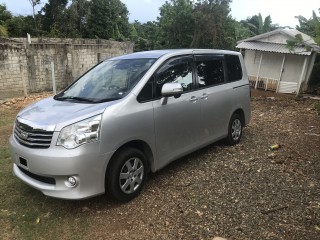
x: 127, y: 116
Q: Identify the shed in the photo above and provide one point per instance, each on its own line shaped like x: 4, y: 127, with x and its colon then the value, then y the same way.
x: 271, y: 65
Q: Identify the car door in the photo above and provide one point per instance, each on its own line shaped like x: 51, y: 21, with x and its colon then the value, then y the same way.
x: 214, y: 95
x: 176, y: 119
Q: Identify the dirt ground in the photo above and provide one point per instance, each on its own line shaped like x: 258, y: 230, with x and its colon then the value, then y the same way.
x: 247, y: 191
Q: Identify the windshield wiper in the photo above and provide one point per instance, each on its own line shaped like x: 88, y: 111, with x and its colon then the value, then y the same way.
x: 107, y: 100
x: 80, y: 99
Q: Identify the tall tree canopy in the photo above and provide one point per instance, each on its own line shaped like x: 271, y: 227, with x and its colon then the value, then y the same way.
x: 176, y: 23
x: 145, y: 35
x: 211, y: 24
x: 52, y: 15
x: 108, y: 19
x: 310, y: 26
x: 4, y: 16
x: 198, y: 24
x: 258, y: 25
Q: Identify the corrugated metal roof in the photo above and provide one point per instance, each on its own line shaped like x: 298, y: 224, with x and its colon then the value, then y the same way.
x: 272, y: 47
x: 306, y: 38
x: 288, y: 32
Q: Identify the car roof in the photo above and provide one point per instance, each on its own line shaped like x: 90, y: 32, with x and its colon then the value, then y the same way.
x: 145, y: 54
x: 159, y: 53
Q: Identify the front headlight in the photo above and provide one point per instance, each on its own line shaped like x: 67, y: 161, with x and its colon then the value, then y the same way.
x: 79, y: 133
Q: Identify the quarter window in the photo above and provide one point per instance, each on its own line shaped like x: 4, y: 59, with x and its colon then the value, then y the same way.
x: 234, y: 69
x: 209, y: 70
x: 146, y: 93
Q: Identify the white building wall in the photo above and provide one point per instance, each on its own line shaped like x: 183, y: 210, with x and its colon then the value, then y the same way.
x: 252, y: 68
x: 292, y: 68
x: 270, y: 67
x: 277, y: 38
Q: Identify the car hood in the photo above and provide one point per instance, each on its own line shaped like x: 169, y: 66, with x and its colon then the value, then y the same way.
x: 51, y: 115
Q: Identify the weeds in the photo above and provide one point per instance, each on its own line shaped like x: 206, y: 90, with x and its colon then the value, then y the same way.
x: 317, y: 107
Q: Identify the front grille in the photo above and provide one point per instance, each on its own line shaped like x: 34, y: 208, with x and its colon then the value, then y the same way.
x: 39, y: 178
x: 30, y: 137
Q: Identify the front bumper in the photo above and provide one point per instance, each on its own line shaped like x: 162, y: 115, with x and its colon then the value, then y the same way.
x: 85, y: 163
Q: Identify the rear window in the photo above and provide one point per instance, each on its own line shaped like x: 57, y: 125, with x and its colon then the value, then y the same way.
x: 234, y: 69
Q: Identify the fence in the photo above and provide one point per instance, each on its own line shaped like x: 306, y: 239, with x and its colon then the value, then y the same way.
x: 263, y: 83
x: 26, y: 68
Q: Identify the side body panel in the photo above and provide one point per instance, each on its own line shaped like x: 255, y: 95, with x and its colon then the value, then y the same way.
x: 176, y: 129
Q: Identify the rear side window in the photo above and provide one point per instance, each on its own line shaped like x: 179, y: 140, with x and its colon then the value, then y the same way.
x: 234, y: 69
x: 210, y: 70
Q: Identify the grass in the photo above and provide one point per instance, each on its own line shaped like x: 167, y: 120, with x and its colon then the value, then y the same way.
x: 26, y: 213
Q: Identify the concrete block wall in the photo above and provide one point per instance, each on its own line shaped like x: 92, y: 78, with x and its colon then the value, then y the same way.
x: 26, y: 68
x: 12, y: 70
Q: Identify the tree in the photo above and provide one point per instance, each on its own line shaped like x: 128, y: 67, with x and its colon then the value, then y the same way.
x: 258, y: 25
x: 33, y: 4
x: 108, y: 19
x: 52, y: 16
x: 79, y: 12
x: 75, y: 19
x: 4, y: 16
x: 310, y: 27
x: 145, y: 36
x: 212, y: 24
x: 176, y: 24
x: 19, y: 26
x: 235, y: 32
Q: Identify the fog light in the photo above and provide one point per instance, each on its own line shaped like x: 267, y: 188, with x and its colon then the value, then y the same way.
x: 71, y: 181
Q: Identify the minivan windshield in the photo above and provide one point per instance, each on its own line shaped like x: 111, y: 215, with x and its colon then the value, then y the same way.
x: 108, y: 81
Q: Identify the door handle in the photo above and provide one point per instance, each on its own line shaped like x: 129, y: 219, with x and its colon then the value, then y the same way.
x: 193, y: 99
x: 204, y: 96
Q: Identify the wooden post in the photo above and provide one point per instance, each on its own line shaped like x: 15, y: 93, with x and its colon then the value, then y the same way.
x: 258, y: 72
x: 24, y: 84
x: 281, y: 71
x: 52, y: 77
x: 302, y: 74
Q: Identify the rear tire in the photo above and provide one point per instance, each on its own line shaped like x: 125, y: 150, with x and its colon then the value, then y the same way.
x: 126, y: 174
x: 235, y: 129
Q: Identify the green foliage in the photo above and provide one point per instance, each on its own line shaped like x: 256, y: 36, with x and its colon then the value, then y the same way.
x: 4, y: 14
x: 145, y: 36
x: 108, y: 19
x: 3, y: 31
x: 176, y: 24
x: 236, y: 31
x: 52, y: 14
x: 310, y: 27
x: 19, y: 26
x: 258, y: 26
x: 212, y: 24
x: 317, y: 107
x: 78, y: 14
x: 197, y: 24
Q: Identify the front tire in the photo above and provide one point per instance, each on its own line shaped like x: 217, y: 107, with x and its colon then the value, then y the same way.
x: 126, y: 174
x: 235, y: 129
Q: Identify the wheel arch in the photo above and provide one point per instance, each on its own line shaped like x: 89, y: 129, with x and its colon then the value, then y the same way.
x: 140, y: 145
x: 241, y: 113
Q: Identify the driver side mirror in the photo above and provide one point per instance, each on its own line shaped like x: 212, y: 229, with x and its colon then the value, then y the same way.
x: 171, y: 89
